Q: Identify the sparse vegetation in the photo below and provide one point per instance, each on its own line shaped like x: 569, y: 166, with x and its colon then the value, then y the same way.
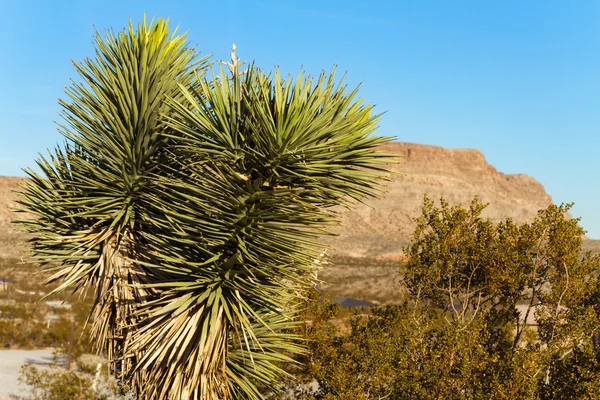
x: 363, y: 278
x: 57, y: 383
x: 28, y: 322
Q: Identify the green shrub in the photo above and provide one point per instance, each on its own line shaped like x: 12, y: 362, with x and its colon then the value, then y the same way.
x: 459, y: 334
x: 56, y: 383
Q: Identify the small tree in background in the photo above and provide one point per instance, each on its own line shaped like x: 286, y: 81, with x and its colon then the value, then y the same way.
x: 192, y: 207
x: 462, y: 334
x: 485, y: 281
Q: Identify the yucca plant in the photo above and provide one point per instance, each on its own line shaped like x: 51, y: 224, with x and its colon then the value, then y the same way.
x: 192, y: 206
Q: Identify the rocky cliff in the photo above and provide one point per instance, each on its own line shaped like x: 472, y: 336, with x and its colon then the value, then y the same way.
x: 382, y: 227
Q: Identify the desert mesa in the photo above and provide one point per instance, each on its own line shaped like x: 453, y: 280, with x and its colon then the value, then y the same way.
x: 381, y: 227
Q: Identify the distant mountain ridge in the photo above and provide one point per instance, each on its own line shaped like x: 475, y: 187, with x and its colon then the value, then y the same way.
x: 382, y: 227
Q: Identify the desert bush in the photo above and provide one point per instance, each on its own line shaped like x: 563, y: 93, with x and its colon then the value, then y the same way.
x: 57, y: 383
x: 459, y: 333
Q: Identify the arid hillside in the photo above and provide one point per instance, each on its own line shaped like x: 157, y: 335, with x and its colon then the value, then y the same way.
x: 10, y: 238
x: 382, y: 227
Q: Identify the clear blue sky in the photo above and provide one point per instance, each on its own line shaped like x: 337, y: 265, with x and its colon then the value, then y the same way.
x: 519, y: 80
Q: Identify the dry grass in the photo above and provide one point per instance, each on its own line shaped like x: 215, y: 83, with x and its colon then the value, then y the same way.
x: 368, y: 279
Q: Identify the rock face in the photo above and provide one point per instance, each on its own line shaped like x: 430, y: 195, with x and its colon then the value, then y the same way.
x: 382, y: 227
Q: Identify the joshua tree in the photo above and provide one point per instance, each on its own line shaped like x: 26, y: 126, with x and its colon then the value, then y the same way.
x: 192, y: 206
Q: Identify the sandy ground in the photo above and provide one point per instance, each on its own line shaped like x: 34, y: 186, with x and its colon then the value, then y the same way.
x: 10, y: 367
